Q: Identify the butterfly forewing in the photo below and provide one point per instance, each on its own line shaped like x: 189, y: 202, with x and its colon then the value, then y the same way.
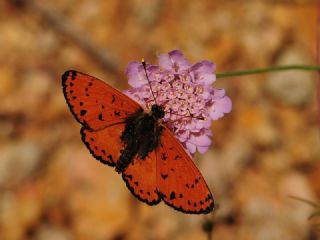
x: 179, y: 181
x: 94, y: 103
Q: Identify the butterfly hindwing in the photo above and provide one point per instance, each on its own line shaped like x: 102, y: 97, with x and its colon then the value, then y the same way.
x: 179, y: 181
x: 140, y: 178
x: 94, y: 103
x: 105, y: 144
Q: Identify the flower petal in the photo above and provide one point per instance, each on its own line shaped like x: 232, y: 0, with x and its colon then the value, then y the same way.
x: 174, y: 60
x: 224, y: 105
x: 218, y: 93
x: 204, y: 66
x: 202, y: 150
x: 203, y: 72
x: 207, y: 78
x: 191, y: 147
x: 200, y: 140
x: 135, y: 74
x: 220, y: 107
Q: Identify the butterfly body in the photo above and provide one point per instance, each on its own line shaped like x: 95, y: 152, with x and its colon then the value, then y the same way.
x: 141, y: 135
x: 119, y: 133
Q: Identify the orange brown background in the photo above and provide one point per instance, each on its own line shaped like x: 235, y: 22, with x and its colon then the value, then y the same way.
x: 264, y: 151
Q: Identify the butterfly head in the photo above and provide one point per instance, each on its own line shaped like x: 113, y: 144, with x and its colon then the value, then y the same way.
x: 157, y: 111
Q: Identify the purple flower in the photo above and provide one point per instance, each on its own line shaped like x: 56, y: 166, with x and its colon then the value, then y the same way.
x: 191, y: 103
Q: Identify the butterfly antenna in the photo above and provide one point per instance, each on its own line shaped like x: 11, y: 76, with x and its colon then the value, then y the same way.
x: 145, y: 71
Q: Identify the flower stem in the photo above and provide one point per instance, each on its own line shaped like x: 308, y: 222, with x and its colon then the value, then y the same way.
x: 267, y: 70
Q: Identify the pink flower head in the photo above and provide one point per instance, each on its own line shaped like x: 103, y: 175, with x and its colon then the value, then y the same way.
x: 191, y: 103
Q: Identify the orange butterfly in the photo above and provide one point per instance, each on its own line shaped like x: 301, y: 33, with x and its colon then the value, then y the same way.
x: 119, y: 133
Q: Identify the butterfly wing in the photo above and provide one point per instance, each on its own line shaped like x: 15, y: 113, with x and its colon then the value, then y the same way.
x: 179, y: 181
x: 105, y: 144
x: 141, y: 179
x: 94, y: 103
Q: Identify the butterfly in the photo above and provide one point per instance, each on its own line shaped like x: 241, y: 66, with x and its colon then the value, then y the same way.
x: 120, y: 133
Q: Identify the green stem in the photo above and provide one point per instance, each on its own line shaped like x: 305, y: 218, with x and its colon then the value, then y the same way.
x: 267, y: 70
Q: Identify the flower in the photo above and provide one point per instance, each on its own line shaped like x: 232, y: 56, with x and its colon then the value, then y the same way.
x: 191, y: 103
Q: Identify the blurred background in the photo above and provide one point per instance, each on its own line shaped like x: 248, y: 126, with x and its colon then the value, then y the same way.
x: 264, y: 151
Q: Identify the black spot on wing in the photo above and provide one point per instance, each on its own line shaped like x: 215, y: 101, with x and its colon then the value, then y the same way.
x: 172, y: 195
x: 164, y: 176
x: 117, y: 113
x: 83, y: 112
x: 164, y: 156
x: 73, y: 75
x: 110, y: 157
x: 208, y: 198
